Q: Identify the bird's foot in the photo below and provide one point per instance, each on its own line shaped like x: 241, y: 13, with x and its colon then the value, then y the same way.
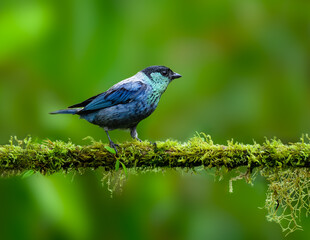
x: 114, y: 145
x: 139, y: 139
x: 154, y: 145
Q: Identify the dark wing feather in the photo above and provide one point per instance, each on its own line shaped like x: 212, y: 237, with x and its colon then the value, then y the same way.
x: 118, y: 94
x: 84, y: 103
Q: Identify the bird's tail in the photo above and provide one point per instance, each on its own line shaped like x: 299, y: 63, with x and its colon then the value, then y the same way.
x: 67, y: 111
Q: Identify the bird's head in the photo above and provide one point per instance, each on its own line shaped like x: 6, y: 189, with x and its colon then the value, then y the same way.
x: 160, y: 74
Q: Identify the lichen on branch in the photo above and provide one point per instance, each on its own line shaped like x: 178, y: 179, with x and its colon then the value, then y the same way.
x: 285, y: 166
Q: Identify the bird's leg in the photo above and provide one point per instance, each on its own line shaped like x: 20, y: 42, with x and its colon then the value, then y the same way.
x: 112, y: 144
x: 134, y: 134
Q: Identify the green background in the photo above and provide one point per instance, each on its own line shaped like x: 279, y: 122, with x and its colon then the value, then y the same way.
x: 246, y: 75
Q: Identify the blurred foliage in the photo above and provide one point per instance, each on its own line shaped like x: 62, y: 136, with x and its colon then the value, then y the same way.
x: 245, y: 67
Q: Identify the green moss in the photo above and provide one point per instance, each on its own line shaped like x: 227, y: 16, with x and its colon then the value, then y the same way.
x: 288, y: 197
x: 285, y: 166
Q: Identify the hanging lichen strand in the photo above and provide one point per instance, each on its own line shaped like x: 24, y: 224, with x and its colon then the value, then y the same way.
x: 286, y: 167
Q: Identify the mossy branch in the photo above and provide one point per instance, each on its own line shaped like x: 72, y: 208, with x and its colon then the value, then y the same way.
x: 285, y: 166
x: 50, y: 157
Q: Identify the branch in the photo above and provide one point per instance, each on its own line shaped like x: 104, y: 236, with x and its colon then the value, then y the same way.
x: 50, y: 157
x: 285, y: 166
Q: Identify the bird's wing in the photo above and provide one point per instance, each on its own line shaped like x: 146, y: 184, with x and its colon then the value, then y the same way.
x: 84, y: 103
x: 120, y: 93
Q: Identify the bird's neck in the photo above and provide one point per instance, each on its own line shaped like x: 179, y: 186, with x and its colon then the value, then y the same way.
x: 159, y: 83
x: 158, y: 86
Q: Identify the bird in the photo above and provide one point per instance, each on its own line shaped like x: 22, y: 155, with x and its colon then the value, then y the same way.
x: 126, y: 103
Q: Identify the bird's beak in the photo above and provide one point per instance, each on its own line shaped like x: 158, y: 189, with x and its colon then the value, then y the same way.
x: 175, y: 75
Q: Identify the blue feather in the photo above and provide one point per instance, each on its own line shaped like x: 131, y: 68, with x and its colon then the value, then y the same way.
x: 67, y: 111
x: 119, y: 94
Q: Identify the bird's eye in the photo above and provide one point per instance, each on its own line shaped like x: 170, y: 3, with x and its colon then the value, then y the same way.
x: 164, y: 73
